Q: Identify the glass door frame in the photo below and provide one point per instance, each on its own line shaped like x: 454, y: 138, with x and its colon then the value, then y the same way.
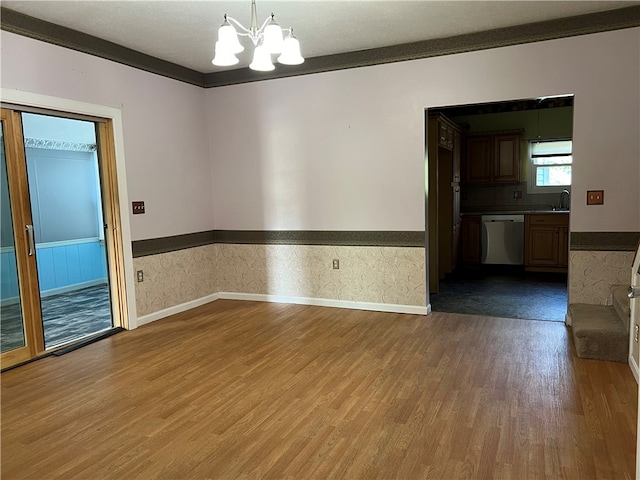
x: 117, y: 234
x: 25, y: 260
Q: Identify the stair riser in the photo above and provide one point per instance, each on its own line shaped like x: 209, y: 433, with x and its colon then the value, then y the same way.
x: 599, y: 332
x: 611, y: 349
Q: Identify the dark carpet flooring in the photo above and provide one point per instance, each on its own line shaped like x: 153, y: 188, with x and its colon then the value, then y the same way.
x: 507, y: 293
x: 66, y: 317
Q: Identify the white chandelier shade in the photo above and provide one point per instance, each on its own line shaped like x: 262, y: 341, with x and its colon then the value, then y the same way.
x: 225, y: 58
x: 268, y: 39
x: 290, y: 50
x: 261, y: 60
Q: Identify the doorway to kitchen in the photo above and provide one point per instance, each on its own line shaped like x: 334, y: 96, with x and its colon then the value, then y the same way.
x: 503, y: 293
x: 61, y: 270
x: 498, y: 207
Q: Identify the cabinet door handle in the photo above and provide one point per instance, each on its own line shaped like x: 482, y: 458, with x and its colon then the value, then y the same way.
x: 30, y: 239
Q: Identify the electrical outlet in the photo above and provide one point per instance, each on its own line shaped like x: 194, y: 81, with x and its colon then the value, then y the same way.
x: 140, y: 275
x: 336, y: 264
x: 517, y: 194
x: 595, y: 197
x: 636, y: 333
x: 138, y: 207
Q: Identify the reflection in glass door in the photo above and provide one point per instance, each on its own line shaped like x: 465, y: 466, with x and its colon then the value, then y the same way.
x: 11, y: 319
x: 66, y: 205
x: 55, y: 282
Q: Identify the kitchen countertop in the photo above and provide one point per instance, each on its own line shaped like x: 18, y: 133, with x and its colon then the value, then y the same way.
x: 515, y: 212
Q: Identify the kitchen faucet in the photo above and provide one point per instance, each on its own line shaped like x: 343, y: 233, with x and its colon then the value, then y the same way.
x: 562, y: 194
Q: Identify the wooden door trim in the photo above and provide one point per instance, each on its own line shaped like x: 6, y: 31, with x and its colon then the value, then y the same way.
x: 21, y: 214
x: 113, y: 232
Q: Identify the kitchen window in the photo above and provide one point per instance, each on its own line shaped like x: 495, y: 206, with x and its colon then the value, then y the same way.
x: 550, y: 165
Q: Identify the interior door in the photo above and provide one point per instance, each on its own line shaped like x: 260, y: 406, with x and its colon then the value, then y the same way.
x: 634, y: 295
x: 61, y: 233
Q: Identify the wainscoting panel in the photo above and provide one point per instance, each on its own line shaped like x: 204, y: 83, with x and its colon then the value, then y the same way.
x: 591, y: 275
x: 373, y: 274
x: 9, y: 285
x: 175, y: 278
x: 62, y: 266
x: 384, y: 275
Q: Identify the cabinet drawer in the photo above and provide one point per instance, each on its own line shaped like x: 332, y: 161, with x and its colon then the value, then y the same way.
x: 548, y: 219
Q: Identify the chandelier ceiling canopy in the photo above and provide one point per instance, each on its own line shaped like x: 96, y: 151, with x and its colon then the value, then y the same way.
x: 268, y: 39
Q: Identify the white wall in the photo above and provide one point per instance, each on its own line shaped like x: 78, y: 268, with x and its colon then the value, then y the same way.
x: 341, y: 150
x: 344, y: 150
x: 164, y: 121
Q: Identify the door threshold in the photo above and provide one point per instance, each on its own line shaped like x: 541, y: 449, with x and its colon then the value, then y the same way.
x: 87, y: 341
x: 69, y: 348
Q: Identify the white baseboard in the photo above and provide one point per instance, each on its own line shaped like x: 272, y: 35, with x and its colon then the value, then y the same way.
x: 634, y: 367
x: 325, y: 302
x: 256, y: 297
x: 183, y: 307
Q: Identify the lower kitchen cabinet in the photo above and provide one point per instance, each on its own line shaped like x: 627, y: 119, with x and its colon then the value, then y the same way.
x: 563, y: 253
x: 546, y: 242
x: 471, y: 231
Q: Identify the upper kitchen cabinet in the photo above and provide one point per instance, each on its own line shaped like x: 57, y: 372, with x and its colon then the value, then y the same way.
x: 478, y: 161
x: 506, y: 160
x: 492, y: 158
x: 445, y: 133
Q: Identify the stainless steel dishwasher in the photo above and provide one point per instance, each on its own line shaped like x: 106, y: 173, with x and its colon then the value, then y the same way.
x: 503, y: 239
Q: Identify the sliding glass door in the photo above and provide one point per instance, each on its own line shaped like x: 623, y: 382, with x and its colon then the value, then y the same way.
x: 11, y: 318
x: 56, y: 257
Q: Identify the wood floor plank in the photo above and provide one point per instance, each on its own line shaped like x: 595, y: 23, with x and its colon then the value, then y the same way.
x: 252, y: 390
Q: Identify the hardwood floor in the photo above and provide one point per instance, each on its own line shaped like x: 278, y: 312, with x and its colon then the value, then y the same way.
x: 255, y: 390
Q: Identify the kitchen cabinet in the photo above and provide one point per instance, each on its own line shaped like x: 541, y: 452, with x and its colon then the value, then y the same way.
x: 470, y: 242
x: 478, y: 160
x: 506, y: 158
x: 493, y: 158
x: 546, y: 242
x: 456, y: 221
x: 457, y: 155
x: 563, y: 246
x: 445, y: 133
x: 444, y: 147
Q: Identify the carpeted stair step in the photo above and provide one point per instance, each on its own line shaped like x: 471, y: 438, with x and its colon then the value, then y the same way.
x: 599, y: 333
x: 622, y: 303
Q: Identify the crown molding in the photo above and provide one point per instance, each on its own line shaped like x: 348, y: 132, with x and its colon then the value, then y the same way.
x: 628, y: 17
x: 31, y: 27
x: 618, y: 19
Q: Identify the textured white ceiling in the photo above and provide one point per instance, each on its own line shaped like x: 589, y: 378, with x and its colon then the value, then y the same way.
x: 184, y: 32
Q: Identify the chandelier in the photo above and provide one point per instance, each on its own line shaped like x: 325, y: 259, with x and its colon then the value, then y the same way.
x: 268, y: 39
